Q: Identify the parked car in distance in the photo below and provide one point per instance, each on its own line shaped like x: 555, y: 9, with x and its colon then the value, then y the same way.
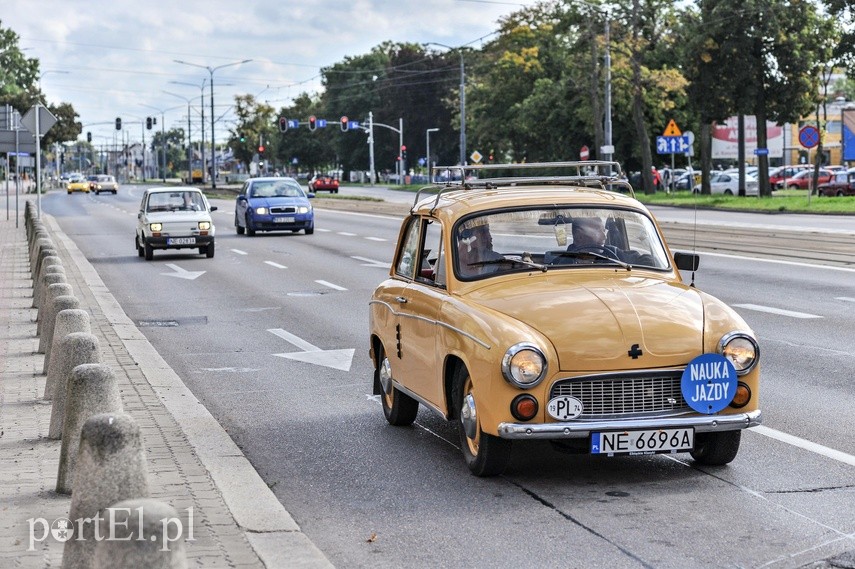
x: 174, y: 218
x: 323, y: 183
x: 728, y: 184
x: 77, y: 184
x: 523, y: 309
x: 688, y: 180
x: 103, y: 183
x: 804, y: 179
x: 273, y: 204
x: 781, y: 173
x: 842, y: 184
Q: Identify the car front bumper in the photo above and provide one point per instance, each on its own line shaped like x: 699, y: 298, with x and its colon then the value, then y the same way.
x: 583, y: 429
x: 163, y: 243
x: 269, y: 223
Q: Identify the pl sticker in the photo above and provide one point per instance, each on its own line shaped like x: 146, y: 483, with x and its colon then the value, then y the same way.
x: 709, y: 383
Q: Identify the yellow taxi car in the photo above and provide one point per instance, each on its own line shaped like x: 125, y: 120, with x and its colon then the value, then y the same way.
x: 540, y: 301
x: 77, y: 184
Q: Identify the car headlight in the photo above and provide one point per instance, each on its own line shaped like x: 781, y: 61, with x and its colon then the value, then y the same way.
x: 156, y: 226
x: 741, y: 350
x: 303, y: 209
x: 204, y: 225
x: 261, y: 210
x: 524, y: 365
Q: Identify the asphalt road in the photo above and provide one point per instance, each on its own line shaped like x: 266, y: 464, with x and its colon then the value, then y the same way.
x: 263, y: 337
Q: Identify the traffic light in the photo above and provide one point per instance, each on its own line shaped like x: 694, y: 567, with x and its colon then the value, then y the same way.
x: 403, y: 152
x: 313, y: 123
x: 242, y: 138
x: 283, y: 124
x: 344, y: 122
x: 118, y: 123
x: 148, y: 123
x: 88, y: 137
x: 62, y: 158
x: 261, y: 149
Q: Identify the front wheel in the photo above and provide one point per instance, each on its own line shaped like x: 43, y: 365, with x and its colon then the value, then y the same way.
x: 209, y: 250
x: 399, y: 408
x: 249, y: 230
x: 485, y: 455
x: 138, y: 247
x: 238, y: 227
x: 716, y: 449
x: 149, y: 252
x: 310, y: 230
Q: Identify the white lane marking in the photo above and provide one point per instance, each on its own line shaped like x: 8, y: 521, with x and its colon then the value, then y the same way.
x: 376, y: 239
x: 376, y: 399
x: 845, y: 298
x: 372, y: 262
x: 277, y: 265
x: 239, y: 252
x: 778, y: 261
x: 321, y: 230
x: 330, y: 285
x: 779, y: 311
x: 805, y: 444
x: 346, y: 234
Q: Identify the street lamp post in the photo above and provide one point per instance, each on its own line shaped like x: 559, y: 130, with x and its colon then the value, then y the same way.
x: 213, y: 140
x: 427, y: 152
x: 462, y: 101
x: 162, y: 136
x: 189, y: 145
x: 202, y: 114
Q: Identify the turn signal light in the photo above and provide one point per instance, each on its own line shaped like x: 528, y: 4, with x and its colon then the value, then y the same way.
x: 524, y: 407
x: 742, y: 397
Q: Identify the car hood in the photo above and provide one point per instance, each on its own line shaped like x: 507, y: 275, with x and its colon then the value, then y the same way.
x: 177, y: 216
x: 593, y: 323
x: 278, y: 202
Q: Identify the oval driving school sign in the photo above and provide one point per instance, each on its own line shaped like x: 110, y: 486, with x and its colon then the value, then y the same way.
x: 709, y: 383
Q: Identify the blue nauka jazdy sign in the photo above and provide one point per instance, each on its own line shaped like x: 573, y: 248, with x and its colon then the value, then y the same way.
x: 709, y: 383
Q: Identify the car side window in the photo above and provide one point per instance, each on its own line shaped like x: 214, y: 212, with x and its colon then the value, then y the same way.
x: 431, y: 265
x: 408, y: 254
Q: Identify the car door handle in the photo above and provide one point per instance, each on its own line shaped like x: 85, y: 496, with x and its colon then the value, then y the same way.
x: 401, y: 300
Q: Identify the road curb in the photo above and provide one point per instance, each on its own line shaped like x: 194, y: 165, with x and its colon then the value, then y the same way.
x: 270, y: 529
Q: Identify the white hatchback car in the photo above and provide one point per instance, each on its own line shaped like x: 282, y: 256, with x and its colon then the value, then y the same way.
x: 174, y: 218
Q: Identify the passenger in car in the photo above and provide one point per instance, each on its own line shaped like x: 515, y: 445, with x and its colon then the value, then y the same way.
x: 475, y: 249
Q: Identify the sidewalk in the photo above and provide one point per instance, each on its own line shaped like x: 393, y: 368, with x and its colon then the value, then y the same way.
x: 193, y: 465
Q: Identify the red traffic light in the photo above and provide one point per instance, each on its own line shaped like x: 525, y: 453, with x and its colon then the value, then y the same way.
x: 261, y: 149
x: 313, y: 122
x: 403, y: 148
x: 283, y: 124
x: 344, y: 123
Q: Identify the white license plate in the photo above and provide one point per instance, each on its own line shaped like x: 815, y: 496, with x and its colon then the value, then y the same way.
x: 284, y: 220
x: 181, y: 241
x: 651, y: 441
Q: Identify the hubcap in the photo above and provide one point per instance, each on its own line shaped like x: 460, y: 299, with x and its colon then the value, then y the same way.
x: 469, y: 417
x: 386, y: 376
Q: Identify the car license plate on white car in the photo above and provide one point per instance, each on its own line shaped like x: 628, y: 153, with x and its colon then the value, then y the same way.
x: 653, y: 441
x: 284, y: 220
x: 181, y: 241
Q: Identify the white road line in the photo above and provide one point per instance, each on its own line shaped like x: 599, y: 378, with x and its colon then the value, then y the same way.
x: 239, y: 252
x: 845, y: 298
x: 346, y: 234
x: 805, y: 444
x: 376, y: 239
x: 322, y: 230
x: 778, y: 311
x: 277, y: 265
x: 778, y: 261
x: 330, y: 285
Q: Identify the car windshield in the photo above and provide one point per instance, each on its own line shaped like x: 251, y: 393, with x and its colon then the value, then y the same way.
x: 279, y: 189
x: 176, y: 201
x: 554, y: 237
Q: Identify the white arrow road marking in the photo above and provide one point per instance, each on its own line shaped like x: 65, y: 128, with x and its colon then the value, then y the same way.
x: 330, y: 285
x: 779, y: 311
x: 372, y: 263
x: 182, y: 273
x: 239, y: 252
x: 336, y: 359
x: 277, y: 265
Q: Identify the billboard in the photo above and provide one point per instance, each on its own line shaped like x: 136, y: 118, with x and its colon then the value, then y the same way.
x: 725, y: 138
x: 848, y: 137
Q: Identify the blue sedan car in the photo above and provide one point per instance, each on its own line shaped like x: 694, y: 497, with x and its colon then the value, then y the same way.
x: 273, y: 204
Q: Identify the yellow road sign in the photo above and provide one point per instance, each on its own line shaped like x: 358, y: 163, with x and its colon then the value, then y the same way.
x: 672, y: 129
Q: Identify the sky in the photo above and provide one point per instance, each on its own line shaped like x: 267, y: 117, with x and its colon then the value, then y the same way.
x: 111, y: 58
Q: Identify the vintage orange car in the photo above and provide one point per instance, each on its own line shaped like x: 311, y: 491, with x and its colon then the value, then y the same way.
x: 549, y: 306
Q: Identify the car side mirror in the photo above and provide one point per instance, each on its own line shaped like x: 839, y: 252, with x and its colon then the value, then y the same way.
x: 213, y: 208
x: 686, y: 261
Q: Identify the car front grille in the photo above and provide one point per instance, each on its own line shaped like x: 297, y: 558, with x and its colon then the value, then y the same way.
x: 615, y: 396
x: 283, y: 209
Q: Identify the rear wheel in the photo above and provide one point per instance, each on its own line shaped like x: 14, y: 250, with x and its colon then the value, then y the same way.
x: 840, y: 193
x: 398, y: 408
x: 716, y: 449
x: 485, y: 455
x: 728, y: 193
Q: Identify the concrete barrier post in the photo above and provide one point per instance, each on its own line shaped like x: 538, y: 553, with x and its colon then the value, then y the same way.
x: 39, y: 285
x: 111, y: 467
x: 147, y: 533
x: 40, y: 263
x: 42, y: 241
x: 61, y: 299
x: 77, y: 348
x: 46, y: 280
x: 92, y: 389
x: 67, y: 321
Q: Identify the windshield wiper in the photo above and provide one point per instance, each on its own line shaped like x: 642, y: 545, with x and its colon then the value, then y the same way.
x: 611, y: 260
x: 517, y: 260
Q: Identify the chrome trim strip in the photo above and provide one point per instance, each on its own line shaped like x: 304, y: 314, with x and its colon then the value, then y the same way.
x: 418, y: 398
x: 580, y: 430
x: 481, y: 343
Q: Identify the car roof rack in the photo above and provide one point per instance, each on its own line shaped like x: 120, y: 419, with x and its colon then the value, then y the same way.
x: 600, y: 174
